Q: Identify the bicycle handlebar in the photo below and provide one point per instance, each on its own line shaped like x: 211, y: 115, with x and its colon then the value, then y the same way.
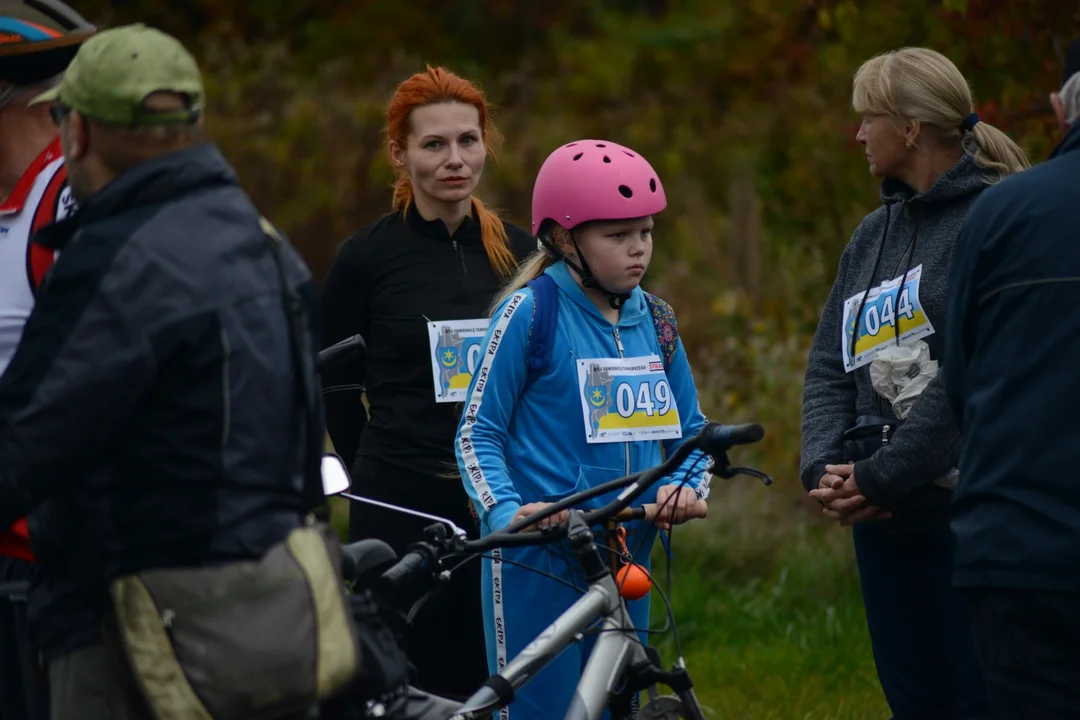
x: 714, y: 439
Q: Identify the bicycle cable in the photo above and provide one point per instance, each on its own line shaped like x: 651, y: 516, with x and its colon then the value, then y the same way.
x: 668, y: 555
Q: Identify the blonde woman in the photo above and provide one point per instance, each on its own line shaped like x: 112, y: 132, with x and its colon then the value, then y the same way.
x: 888, y: 469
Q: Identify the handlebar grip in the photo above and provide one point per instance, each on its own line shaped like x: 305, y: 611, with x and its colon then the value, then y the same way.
x: 717, y: 439
x: 406, y: 569
x: 635, y: 513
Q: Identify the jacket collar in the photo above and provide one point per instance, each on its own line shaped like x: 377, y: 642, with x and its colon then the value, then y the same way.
x: 632, y: 311
x: 1070, y: 142
x: 152, y: 182
x: 962, y: 179
x: 436, y: 229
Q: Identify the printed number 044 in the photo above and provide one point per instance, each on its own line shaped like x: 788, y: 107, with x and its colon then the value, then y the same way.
x: 651, y: 399
x: 874, y: 322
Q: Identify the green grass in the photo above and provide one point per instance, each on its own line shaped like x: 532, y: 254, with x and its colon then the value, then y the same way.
x: 768, y: 610
x: 790, y: 642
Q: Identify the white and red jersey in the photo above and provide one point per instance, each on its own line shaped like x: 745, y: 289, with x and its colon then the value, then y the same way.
x: 40, y: 197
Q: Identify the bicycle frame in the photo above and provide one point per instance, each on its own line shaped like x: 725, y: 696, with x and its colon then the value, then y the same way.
x: 617, y: 648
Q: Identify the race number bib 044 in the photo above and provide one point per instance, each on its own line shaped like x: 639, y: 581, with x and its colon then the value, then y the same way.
x: 626, y: 399
x: 888, y: 306
x: 455, y: 355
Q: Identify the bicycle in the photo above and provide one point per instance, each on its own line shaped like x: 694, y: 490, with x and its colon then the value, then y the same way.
x: 618, y: 656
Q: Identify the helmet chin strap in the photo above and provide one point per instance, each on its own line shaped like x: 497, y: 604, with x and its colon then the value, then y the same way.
x: 588, y: 280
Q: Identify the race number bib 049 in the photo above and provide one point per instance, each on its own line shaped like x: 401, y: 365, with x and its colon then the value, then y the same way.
x: 626, y: 399
x: 884, y: 311
x: 455, y: 355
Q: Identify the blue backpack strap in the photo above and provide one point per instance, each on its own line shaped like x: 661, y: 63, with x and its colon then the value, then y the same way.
x: 667, y: 328
x: 542, y: 331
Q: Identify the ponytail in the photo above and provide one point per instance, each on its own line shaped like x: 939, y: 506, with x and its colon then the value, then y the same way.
x: 533, y: 267
x: 997, y: 152
x: 496, y: 241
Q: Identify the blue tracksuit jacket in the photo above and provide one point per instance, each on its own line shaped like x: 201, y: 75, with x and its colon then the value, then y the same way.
x: 516, y: 446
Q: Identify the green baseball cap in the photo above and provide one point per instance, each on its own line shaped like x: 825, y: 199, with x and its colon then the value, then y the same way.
x: 115, y: 70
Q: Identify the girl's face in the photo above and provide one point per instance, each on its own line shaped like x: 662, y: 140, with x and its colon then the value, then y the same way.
x: 618, y: 251
x: 445, y: 152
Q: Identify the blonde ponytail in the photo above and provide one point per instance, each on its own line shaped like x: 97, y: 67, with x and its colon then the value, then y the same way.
x: 997, y: 152
x: 532, y: 268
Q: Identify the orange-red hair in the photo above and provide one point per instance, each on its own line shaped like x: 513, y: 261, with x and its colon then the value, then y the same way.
x: 438, y: 85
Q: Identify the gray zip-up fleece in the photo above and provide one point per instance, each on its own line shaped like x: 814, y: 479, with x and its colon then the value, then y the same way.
x: 909, y: 230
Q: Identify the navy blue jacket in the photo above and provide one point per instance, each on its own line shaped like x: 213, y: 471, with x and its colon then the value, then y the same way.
x: 151, y: 415
x: 1012, y: 373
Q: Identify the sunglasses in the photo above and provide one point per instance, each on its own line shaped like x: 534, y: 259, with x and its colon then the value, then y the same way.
x: 58, y: 112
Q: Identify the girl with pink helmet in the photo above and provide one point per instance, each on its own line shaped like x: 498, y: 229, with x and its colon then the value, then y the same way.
x: 583, y: 380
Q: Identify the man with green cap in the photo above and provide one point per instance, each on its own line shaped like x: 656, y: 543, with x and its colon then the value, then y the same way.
x: 154, y: 414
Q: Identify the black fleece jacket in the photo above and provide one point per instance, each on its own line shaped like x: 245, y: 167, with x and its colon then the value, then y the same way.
x: 386, y: 283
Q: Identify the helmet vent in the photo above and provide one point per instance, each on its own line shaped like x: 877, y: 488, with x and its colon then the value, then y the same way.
x: 625, y: 191
x: 607, y: 159
x: 652, y: 184
x: 578, y: 156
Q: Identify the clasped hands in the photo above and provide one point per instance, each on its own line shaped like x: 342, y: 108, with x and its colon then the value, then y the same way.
x: 841, y: 498
x: 675, y: 504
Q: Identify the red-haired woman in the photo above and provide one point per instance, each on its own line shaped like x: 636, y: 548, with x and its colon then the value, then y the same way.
x: 418, y: 284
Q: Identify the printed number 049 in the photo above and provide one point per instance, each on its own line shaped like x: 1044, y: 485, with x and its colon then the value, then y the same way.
x: 874, y: 323
x: 651, y: 399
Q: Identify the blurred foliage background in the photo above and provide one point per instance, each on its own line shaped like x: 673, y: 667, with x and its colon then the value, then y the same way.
x: 744, y: 109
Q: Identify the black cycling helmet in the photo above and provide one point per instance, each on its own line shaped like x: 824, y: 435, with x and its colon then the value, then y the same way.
x: 38, y: 39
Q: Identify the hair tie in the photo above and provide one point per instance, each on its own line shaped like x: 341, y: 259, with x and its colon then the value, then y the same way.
x: 969, y: 122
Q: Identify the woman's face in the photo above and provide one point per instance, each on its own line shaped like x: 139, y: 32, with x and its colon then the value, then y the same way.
x: 445, y: 152
x: 886, y: 145
x: 618, y: 251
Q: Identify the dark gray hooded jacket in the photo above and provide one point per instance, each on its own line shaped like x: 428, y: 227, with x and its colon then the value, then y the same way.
x: 910, y: 231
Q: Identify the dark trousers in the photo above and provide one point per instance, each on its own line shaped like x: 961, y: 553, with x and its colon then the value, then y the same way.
x: 24, y: 693
x: 1028, y: 642
x: 919, y: 626
x: 446, y: 639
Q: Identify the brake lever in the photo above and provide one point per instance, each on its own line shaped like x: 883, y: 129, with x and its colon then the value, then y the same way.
x: 764, y: 477
x: 722, y: 467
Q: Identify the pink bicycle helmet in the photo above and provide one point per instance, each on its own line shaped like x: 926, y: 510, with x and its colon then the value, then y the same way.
x: 594, y: 180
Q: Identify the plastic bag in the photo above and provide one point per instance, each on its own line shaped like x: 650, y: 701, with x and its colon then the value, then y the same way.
x: 900, y: 374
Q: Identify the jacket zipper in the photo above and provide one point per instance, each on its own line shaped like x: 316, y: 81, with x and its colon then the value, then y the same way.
x: 619, y: 347
x: 461, y: 256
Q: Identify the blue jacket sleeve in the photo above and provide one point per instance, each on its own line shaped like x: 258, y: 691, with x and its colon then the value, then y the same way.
x: 681, y: 379
x: 483, y: 432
